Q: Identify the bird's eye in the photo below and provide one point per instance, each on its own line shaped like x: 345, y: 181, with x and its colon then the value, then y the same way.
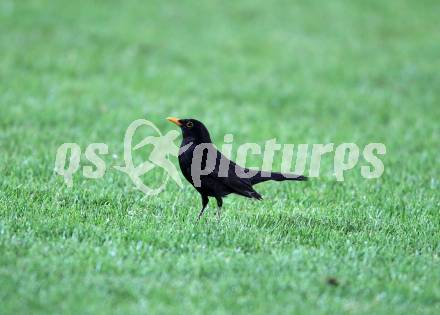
x: 189, y: 124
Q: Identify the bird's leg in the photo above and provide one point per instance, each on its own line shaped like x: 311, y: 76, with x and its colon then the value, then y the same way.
x: 219, y: 207
x: 204, y: 204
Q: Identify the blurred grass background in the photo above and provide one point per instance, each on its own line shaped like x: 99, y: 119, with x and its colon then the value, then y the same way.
x: 300, y: 71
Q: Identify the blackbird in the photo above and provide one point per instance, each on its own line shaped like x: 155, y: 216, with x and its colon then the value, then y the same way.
x: 226, y: 176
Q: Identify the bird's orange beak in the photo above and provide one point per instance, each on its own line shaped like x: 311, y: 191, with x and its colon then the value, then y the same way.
x: 175, y: 120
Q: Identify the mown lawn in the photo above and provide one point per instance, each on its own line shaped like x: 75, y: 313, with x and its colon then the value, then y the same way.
x: 303, y: 72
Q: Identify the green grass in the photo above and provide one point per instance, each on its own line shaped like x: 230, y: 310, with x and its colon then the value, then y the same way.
x: 303, y: 72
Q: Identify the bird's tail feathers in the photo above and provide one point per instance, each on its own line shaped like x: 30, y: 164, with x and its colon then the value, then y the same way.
x: 256, y: 195
x: 265, y: 176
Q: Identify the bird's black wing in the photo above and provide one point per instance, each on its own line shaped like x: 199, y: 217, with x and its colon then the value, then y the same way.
x: 229, y: 178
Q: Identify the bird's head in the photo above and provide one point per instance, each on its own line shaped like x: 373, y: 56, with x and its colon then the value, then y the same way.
x: 192, y: 129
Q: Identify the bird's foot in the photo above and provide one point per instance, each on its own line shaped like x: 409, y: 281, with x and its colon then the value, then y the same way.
x: 200, y: 215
